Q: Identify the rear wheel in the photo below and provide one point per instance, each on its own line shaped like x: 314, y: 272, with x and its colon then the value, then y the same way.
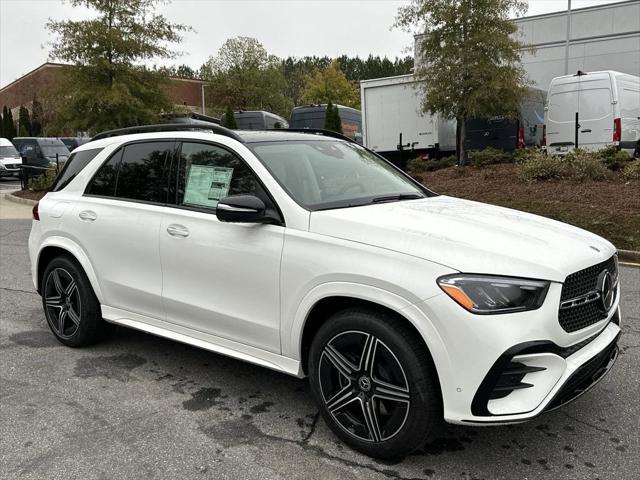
x: 375, y: 383
x: 71, y: 307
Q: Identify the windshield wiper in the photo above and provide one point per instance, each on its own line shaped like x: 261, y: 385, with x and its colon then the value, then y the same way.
x: 397, y: 197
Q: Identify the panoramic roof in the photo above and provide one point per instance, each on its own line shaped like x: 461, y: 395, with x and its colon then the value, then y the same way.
x: 253, y: 136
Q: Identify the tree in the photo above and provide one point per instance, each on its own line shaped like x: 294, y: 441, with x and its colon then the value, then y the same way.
x: 332, y: 119
x: 9, y: 128
x: 472, y: 66
x: 24, y: 122
x: 36, y: 117
x: 108, y: 87
x: 331, y: 85
x: 229, y: 120
x: 243, y: 75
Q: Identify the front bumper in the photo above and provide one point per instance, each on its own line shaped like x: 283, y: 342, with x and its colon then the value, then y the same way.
x: 529, y: 350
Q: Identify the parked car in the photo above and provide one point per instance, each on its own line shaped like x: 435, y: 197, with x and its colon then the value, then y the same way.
x: 313, y: 256
x: 313, y: 116
x: 10, y: 159
x: 74, y: 142
x: 40, y: 151
x: 258, y: 120
x: 593, y: 111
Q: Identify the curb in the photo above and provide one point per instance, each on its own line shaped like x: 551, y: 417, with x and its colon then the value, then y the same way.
x: 630, y: 256
x: 23, y: 201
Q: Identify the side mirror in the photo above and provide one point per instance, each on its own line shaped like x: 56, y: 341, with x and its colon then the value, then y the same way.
x: 241, y: 209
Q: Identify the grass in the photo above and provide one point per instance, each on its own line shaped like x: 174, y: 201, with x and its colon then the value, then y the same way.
x: 609, y: 208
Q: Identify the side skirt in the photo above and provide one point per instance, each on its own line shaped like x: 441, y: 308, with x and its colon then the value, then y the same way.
x: 203, y: 340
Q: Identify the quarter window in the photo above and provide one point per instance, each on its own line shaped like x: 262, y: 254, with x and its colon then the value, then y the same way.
x: 72, y: 167
x: 208, y: 173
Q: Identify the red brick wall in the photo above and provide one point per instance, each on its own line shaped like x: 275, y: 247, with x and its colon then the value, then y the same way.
x: 21, y: 91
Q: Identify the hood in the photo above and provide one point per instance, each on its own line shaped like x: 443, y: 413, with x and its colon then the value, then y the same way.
x: 469, y: 236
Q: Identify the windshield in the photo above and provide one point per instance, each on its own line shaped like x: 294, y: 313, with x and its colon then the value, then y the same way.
x: 321, y: 174
x: 8, y: 151
x: 51, y: 150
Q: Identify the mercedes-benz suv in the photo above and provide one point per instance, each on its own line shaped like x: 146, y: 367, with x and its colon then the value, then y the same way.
x: 308, y: 254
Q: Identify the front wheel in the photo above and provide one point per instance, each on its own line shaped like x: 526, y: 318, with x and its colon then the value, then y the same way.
x: 375, y: 383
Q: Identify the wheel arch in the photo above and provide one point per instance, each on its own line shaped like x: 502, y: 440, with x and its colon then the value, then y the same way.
x: 56, y: 246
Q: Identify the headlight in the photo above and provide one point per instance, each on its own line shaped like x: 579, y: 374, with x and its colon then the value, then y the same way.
x: 486, y: 294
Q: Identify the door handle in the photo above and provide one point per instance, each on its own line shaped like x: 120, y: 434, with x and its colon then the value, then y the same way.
x: 586, y: 130
x: 87, y: 215
x: 178, y: 230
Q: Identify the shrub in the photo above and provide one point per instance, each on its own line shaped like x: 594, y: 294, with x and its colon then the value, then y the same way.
x: 420, y: 165
x: 632, y: 170
x: 613, y: 158
x: 489, y: 156
x: 539, y: 166
x: 583, y: 165
x: 42, y: 182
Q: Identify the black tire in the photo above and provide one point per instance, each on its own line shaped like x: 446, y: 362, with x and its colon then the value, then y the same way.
x: 76, y: 303
x: 399, y: 358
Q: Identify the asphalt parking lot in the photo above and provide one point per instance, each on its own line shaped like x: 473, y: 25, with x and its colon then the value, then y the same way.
x: 139, y: 406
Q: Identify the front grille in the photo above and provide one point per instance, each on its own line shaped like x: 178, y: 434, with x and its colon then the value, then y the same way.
x: 582, y: 283
x: 586, y: 376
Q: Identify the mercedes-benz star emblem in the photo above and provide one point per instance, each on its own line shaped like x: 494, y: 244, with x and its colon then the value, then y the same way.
x: 365, y: 384
x: 607, y: 292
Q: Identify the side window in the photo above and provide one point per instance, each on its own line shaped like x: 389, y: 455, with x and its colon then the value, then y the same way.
x: 73, y: 166
x: 143, y: 171
x: 104, y: 181
x: 208, y: 173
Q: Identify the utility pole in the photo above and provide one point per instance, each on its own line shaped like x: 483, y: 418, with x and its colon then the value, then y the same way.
x: 566, y: 47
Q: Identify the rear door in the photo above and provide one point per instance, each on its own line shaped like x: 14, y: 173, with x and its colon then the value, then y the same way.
x: 595, y: 122
x: 563, y: 104
x: 118, y: 219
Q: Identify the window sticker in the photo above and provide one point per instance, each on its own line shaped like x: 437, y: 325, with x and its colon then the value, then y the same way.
x: 206, y: 184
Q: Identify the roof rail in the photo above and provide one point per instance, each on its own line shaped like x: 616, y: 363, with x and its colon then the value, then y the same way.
x: 168, y: 127
x: 320, y: 131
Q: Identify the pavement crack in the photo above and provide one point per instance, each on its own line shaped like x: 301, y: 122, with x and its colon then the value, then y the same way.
x: 14, y: 231
x: 312, y: 430
x: 32, y: 292
x: 595, y: 427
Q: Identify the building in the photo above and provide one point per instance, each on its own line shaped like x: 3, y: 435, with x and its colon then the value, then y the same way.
x: 602, y: 37
x: 184, y: 92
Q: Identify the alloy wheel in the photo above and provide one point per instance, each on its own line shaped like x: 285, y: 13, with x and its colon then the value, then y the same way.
x: 364, y: 386
x: 62, y: 303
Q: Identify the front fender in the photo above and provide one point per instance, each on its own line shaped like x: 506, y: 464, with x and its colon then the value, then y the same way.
x: 78, y: 253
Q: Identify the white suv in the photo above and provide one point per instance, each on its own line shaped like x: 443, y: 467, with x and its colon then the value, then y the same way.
x: 310, y: 255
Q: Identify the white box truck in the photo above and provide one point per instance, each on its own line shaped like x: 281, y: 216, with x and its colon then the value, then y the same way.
x: 592, y: 111
x: 392, y: 120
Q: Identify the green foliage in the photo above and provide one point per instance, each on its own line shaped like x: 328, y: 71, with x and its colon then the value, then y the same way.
x: 632, y: 170
x: 245, y: 76
x: 419, y: 165
x: 229, y: 120
x: 24, y: 122
x: 43, y: 182
x: 332, y: 120
x: 471, y: 66
x: 36, y: 117
x: 331, y: 85
x: 489, y: 156
x: 108, y: 86
x: 537, y: 165
x: 583, y: 165
x: 8, y: 126
x: 613, y: 158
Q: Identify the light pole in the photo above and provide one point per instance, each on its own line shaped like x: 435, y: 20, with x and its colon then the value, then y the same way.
x: 566, y: 47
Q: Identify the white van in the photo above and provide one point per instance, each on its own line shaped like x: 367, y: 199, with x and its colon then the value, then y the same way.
x: 10, y: 159
x: 593, y: 111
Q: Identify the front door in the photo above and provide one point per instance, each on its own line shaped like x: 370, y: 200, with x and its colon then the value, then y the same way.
x: 220, y: 278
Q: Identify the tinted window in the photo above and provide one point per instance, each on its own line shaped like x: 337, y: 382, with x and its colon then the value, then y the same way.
x: 208, y: 173
x: 104, y: 181
x: 142, y: 174
x: 72, y: 167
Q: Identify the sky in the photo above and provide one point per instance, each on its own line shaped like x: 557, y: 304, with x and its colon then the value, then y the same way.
x: 284, y: 27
